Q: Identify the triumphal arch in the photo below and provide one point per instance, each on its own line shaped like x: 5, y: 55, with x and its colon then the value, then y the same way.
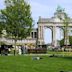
x: 53, y: 23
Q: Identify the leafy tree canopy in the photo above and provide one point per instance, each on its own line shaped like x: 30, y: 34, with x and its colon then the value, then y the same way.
x: 17, y: 17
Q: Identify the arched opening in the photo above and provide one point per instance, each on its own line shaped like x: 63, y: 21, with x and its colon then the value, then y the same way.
x: 70, y: 35
x: 59, y: 36
x: 47, y: 35
x: 59, y: 33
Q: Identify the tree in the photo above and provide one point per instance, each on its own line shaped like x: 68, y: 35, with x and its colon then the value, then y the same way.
x: 18, y: 19
x: 2, y: 26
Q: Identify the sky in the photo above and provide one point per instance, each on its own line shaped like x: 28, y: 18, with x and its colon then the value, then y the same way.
x: 46, y: 8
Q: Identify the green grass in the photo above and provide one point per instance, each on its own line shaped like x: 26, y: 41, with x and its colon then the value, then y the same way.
x: 26, y: 64
x: 60, y: 53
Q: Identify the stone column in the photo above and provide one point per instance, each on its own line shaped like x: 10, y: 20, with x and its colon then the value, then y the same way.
x: 39, y: 32
x: 54, y: 41
x: 33, y: 35
x: 40, y: 35
x: 66, y: 37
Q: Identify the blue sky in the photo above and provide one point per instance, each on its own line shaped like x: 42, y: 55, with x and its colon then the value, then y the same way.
x: 46, y: 8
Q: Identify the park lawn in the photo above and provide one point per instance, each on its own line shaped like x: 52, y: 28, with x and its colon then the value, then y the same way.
x: 60, y: 53
x: 26, y: 64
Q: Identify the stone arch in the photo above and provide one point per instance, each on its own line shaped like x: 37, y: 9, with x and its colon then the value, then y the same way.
x: 49, y: 30
x: 61, y: 31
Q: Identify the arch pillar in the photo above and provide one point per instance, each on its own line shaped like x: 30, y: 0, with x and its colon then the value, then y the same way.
x: 54, y: 41
x: 66, y: 37
x: 40, y: 35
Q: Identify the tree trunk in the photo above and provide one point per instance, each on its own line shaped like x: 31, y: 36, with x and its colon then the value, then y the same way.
x: 15, y: 47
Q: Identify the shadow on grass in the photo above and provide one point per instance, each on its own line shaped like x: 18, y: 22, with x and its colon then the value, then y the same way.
x: 69, y: 58
x: 61, y: 56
